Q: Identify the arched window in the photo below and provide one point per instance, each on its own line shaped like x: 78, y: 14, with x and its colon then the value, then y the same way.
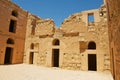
x: 15, y: 13
x: 10, y: 41
x: 92, y: 45
x: 32, y: 46
x: 56, y: 42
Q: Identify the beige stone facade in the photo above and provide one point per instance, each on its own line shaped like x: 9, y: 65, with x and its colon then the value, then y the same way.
x: 79, y: 44
x: 12, y: 32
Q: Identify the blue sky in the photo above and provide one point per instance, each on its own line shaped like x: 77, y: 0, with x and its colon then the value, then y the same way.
x: 57, y: 10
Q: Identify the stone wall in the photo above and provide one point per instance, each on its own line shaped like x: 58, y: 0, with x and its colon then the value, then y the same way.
x: 10, y: 12
x: 72, y: 39
x: 43, y: 29
x: 114, y: 35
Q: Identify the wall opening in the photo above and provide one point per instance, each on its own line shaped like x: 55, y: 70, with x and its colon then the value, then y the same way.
x: 92, y: 45
x: 12, y: 26
x: 10, y: 41
x: 15, y: 13
x: 32, y: 46
x: 92, y: 63
x: 31, y: 58
x: 33, y: 23
x: 56, y: 42
x: 8, y: 55
x: 55, y: 57
x: 33, y: 30
x: 90, y: 18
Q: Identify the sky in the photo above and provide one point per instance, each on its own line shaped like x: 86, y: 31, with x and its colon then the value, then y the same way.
x: 57, y: 10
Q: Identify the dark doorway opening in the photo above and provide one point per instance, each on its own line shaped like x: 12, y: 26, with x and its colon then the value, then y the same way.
x: 92, y: 64
x: 8, y: 55
x: 31, y: 58
x: 55, y: 58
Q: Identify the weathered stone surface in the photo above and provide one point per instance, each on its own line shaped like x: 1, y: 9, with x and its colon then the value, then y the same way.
x: 69, y: 43
x: 113, y: 8
x: 74, y: 36
x: 18, y: 37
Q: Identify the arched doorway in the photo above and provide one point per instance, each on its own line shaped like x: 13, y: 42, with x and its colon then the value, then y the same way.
x: 55, y: 57
x: 92, y: 59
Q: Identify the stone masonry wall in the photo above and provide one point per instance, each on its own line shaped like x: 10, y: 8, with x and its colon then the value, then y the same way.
x: 113, y: 9
x: 74, y: 36
x: 18, y: 37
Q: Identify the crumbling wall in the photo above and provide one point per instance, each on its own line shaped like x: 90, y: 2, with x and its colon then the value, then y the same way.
x: 42, y: 29
x: 31, y: 38
x: 45, y: 27
x: 74, y: 35
x: 74, y: 23
x: 86, y: 32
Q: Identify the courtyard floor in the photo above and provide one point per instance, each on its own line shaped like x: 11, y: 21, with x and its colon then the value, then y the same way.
x: 32, y: 72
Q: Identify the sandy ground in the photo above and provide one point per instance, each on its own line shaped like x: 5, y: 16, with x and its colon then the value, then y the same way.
x: 32, y: 72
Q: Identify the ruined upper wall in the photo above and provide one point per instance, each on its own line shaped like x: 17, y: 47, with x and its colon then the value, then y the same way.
x: 73, y: 23
x: 37, y: 26
x: 31, y: 24
x: 78, y: 22
x: 45, y: 27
